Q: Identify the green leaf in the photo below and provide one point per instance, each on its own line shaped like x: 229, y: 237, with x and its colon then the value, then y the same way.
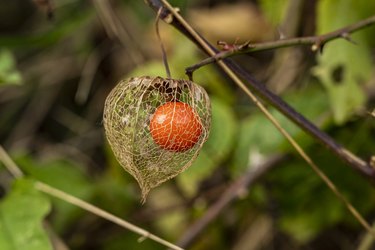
x: 258, y: 137
x: 307, y: 206
x: 8, y: 71
x: 215, y: 150
x: 167, y: 223
x: 65, y: 176
x: 274, y: 10
x: 67, y: 24
x: 344, y: 67
x: 223, y: 130
x: 21, y: 216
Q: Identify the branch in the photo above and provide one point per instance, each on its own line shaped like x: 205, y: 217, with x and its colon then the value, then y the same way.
x: 317, y: 43
x: 272, y: 119
x: 352, y: 160
x: 230, y: 195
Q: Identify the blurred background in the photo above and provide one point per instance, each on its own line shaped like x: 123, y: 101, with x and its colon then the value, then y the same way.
x: 60, y: 59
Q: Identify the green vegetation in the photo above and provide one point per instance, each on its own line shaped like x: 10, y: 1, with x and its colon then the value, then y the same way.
x: 54, y: 78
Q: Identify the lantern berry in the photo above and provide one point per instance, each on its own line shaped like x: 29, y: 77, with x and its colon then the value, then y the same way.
x: 175, y: 126
x: 156, y: 127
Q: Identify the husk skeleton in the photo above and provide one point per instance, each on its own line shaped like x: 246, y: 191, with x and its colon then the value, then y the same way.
x: 127, y: 114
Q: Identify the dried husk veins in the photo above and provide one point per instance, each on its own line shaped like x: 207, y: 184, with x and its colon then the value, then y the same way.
x: 127, y: 114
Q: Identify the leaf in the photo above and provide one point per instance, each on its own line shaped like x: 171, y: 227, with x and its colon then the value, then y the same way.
x: 216, y: 149
x: 274, y: 10
x: 68, y: 23
x: 65, y: 176
x: 8, y: 72
x: 223, y: 130
x: 258, y: 137
x: 343, y: 67
x: 21, y: 216
x: 307, y: 206
x: 168, y: 223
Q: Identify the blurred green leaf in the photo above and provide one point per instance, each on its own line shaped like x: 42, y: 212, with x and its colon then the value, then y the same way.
x: 259, y: 137
x: 306, y: 206
x: 343, y: 66
x: 61, y: 29
x: 8, y: 71
x: 223, y: 130
x: 167, y: 223
x: 21, y: 216
x: 302, y: 214
x: 114, y: 194
x: 215, y: 150
x: 274, y: 10
x: 65, y: 176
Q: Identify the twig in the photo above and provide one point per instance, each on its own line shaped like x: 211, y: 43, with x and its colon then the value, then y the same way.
x: 101, y: 213
x: 288, y: 63
x: 89, y: 70
x: 317, y: 43
x: 9, y: 164
x: 275, y: 122
x: 352, y: 160
x: 231, y: 193
x: 17, y: 173
x: 367, y: 241
x: 163, y: 52
x: 115, y: 29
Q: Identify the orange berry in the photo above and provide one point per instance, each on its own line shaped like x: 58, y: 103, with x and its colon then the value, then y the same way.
x: 175, y: 126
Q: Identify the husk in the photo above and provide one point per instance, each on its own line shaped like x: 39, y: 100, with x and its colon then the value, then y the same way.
x: 127, y: 113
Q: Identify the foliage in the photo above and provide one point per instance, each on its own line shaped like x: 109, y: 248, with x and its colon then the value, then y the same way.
x: 343, y: 67
x: 21, y: 216
x: 63, y: 145
x: 74, y: 182
x: 8, y: 71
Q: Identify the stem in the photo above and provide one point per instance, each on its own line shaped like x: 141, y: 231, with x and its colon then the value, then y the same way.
x: 290, y: 139
x: 352, y: 160
x: 101, y: 213
x: 317, y: 43
x: 163, y: 52
x: 45, y: 188
x: 9, y: 164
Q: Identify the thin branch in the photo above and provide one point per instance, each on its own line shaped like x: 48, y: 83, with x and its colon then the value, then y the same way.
x: 316, y: 42
x: 163, y: 52
x: 17, y: 173
x: 232, y: 193
x: 9, y: 164
x: 115, y: 29
x: 275, y: 122
x: 260, y: 89
x: 101, y: 213
x: 367, y: 242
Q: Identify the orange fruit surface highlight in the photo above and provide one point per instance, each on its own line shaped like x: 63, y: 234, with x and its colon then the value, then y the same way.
x: 175, y: 126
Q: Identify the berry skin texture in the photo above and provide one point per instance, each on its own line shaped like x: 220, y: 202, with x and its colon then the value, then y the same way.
x: 175, y: 126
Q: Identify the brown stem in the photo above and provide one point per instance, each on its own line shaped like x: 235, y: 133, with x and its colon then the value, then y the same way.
x: 352, y: 160
x: 317, y: 43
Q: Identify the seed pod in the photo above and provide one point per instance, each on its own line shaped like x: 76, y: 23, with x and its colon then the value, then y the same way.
x: 156, y: 127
